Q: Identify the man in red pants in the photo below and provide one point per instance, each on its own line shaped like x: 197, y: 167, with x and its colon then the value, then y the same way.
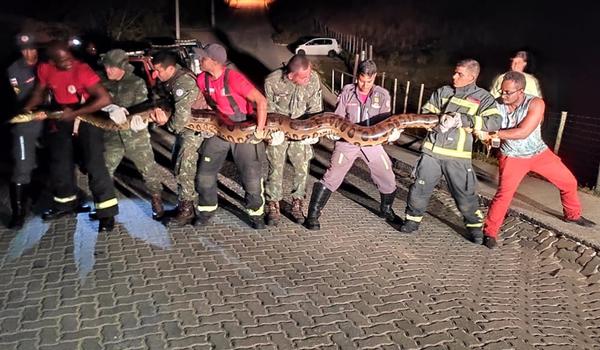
x: 522, y: 151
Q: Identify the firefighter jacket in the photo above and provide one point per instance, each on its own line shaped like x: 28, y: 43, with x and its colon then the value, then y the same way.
x: 478, y: 111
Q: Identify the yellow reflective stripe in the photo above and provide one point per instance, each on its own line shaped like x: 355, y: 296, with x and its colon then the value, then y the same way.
x: 261, y: 210
x: 433, y: 109
x: 207, y: 207
x: 414, y: 218
x: 444, y: 101
x: 475, y: 225
x: 447, y: 152
x: 472, y: 106
x: 477, y: 122
x: 479, y: 214
x: 490, y: 111
x: 107, y: 204
x: 65, y: 199
x: 462, y: 137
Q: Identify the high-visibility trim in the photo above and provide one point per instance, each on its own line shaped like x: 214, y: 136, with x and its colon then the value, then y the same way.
x: 207, y: 208
x: 107, y: 204
x: 490, y: 111
x: 475, y: 225
x: 433, y: 109
x: 479, y: 214
x: 447, y: 152
x: 414, y: 218
x: 471, y: 106
x: 65, y: 199
x: 462, y: 137
x: 385, y: 164
x: 261, y: 209
x: 341, y: 158
x: 477, y: 122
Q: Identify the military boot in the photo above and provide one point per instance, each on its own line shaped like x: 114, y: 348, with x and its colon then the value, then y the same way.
x: 185, y: 214
x: 257, y: 222
x: 409, y: 226
x: 106, y: 224
x: 203, y: 218
x: 273, y: 213
x: 320, y: 196
x: 297, y: 210
x: 158, y: 210
x: 18, y: 204
x: 385, y: 208
x: 54, y: 214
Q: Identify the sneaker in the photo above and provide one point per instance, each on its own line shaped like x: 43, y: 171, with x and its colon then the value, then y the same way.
x: 409, y: 226
x: 581, y: 221
x: 490, y: 242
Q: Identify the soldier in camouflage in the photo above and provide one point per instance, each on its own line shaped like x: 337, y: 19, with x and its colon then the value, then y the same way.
x: 295, y: 91
x: 181, y: 85
x: 127, y: 90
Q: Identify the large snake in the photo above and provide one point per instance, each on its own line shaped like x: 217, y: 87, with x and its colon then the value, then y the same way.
x: 295, y: 129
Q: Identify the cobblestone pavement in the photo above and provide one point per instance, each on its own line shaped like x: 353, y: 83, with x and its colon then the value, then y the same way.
x: 356, y: 284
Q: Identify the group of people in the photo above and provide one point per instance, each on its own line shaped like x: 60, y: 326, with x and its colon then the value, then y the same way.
x: 466, y: 112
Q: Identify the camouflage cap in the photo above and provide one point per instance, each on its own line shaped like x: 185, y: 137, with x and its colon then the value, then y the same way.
x: 26, y: 41
x: 116, y: 58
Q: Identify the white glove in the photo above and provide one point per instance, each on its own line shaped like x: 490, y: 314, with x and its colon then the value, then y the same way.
x: 116, y: 113
x: 395, y: 135
x: 137, y: 123
x: 206, y: 134
x: 277, y: 138
x: 310, y: 141
x: 333, y: 137
x: 449, y: 121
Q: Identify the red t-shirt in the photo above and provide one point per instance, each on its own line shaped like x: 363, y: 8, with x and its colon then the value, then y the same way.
x: 239, y: 88
x: 68, y: 86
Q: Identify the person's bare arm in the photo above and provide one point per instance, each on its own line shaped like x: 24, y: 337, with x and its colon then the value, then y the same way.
x: 534, y: 117
x: 99, y: 98
x: 37, y: 97
x: 261, y: 108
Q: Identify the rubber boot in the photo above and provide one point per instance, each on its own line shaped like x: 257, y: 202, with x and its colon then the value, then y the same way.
x: 320, y: 196
x: 385, y: 208
x: 17, y: 203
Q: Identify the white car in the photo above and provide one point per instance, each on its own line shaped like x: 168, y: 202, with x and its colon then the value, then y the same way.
x: 320, y: 46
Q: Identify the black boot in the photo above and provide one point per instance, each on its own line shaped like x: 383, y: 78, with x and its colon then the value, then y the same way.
x: 385, y: 209
x: 17, y: 203
x: 53, y: 214
x: 476, y: 235
x: 106, y: 224
x: 320, y: 196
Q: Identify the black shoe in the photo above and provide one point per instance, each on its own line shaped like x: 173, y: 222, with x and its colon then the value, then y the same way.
x: 257, y: 222
x: 106, y: 224
x: 203, y: 218
x: 18, y: 203
x: 318, y: 199
x: 476, y: 235
x: 490, y: 242
x: 54, y: 214
x: 93, y: 215
x: 409, y: 226
x: 83, y: 208
x: 581, y: 221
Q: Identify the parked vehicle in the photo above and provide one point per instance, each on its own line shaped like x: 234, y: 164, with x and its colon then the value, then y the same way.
x: 320, y: 46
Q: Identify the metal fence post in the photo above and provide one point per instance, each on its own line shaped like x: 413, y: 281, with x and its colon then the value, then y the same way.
x: 421, y: 90
x: 406, y: 96
x: 383, y: 80
x: 394, y: 99
x: 355, y: 69
x: 561, y: 128
x: 342, y: 81
x: 370, y: 52
x: 333, y: 81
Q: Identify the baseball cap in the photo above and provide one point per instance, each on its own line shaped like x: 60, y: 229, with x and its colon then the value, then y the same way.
x: 215, y: 52
x: 26, y: 41
x: 115, y: 58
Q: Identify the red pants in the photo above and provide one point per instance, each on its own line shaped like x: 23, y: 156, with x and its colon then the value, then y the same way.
x: 513, y: 170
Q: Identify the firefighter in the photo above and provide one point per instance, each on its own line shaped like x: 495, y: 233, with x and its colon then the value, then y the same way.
x: 523, y: 150
x: 447, y: 148
x: 22, y: 77
x: 231, y: 94
x: 78, y: 90
x: 359, y: 103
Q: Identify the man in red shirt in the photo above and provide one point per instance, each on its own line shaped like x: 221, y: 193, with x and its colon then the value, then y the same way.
x: 229, y: 92
x: 77, y: 89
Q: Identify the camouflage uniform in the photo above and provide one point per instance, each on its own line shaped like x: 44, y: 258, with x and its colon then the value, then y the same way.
x: 288, y: 98
x: 130, y: 91
x: 184, y: 91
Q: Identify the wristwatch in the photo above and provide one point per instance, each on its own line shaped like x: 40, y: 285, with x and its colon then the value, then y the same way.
x: 494, y: 139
